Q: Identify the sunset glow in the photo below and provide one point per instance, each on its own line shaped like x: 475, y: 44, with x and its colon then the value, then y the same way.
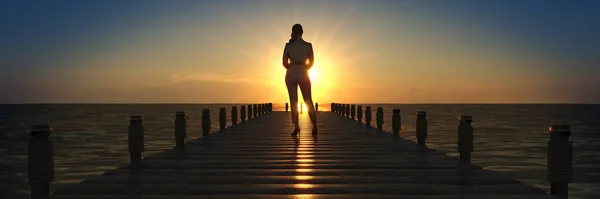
x: 365, y: 51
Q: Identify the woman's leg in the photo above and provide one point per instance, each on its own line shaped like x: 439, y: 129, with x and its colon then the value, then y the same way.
x: 293, y: 93
x: 305, y: 88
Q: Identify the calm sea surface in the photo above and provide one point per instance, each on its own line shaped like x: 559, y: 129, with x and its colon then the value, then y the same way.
x: 90, y: 139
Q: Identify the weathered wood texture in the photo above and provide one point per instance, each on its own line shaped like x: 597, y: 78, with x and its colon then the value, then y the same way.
x: 259, y: 159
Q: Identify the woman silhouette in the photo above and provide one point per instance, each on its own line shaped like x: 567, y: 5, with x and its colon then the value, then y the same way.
x: 298, y: 58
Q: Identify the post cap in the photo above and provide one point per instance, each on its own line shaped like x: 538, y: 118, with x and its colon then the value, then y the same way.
x: 180, y: 113
x: 379, y: 108
x: 465, y: 118
x: 234, y: 107
x: 353, y: 105
x: 560, y: 129
x: 40, y: 128
x: 135, y: 118
x: 421, y: 113
x: 205, y: 110
x: 368, y: 107
x: 396, y: 111
x: 222, y: 109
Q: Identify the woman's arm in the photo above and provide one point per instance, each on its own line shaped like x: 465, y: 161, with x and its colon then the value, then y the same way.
x: 286, y: 57
x: 311, y: 57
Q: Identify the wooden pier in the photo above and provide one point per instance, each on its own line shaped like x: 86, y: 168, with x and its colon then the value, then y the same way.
x: 258, y: 158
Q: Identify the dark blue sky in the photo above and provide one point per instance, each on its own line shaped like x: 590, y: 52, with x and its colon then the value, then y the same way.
x: 566, y: 28
x: 561, y: 28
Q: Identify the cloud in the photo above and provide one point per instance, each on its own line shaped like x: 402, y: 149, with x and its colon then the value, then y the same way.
x: 209, y: 77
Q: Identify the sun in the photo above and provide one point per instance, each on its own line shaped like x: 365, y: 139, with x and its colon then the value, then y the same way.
x: 333, y: 51
x: 313, y: 73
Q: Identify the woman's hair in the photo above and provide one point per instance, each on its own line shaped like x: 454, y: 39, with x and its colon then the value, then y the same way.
x: 296, y: 30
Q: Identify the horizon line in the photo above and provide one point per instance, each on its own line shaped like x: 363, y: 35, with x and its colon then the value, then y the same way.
x: 244, y: 103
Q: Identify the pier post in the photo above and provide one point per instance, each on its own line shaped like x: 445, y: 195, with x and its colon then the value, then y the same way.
x: 342, y: 109
x: 255, y: 110
x: 243, y: 113
x: 261, y: 107
x: 180, y: 128
x: 332, y: 107
x: 353, y: 112
x: 40, y: 162
x: 396, y: 121
x: 465, y: 138
x: 347, y: 110
x: 136, y: 139
x: 560, y: 160
x: 368, y: 116
x: 222, y: 119
x: 316, y: 107
x: 287, y: 106
x: 379, y: 118
x: 259, y: 110
x: 360, y: 113
x: 421, y: 128
x: 205, y: 121
x: 250, y: 111
x: 234, y: 115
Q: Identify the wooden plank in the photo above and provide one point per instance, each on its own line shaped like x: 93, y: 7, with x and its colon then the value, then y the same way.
x: 291, y: 159
x: 307, y: 196
x: 412, y: 165
x: 299, y: 171
x: 307, y: 179
x: 404, y: 157
x: 383, y: 188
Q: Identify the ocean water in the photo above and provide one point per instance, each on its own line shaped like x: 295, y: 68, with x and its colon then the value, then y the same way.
x: 92, y: 138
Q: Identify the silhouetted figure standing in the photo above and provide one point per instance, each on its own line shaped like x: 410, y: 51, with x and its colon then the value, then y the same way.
x: 298, y: 58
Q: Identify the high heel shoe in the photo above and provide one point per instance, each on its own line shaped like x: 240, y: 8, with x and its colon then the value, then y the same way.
x: 295, y: 132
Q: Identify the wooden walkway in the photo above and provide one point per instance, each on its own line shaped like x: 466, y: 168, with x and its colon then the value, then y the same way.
x: 259, y: 159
